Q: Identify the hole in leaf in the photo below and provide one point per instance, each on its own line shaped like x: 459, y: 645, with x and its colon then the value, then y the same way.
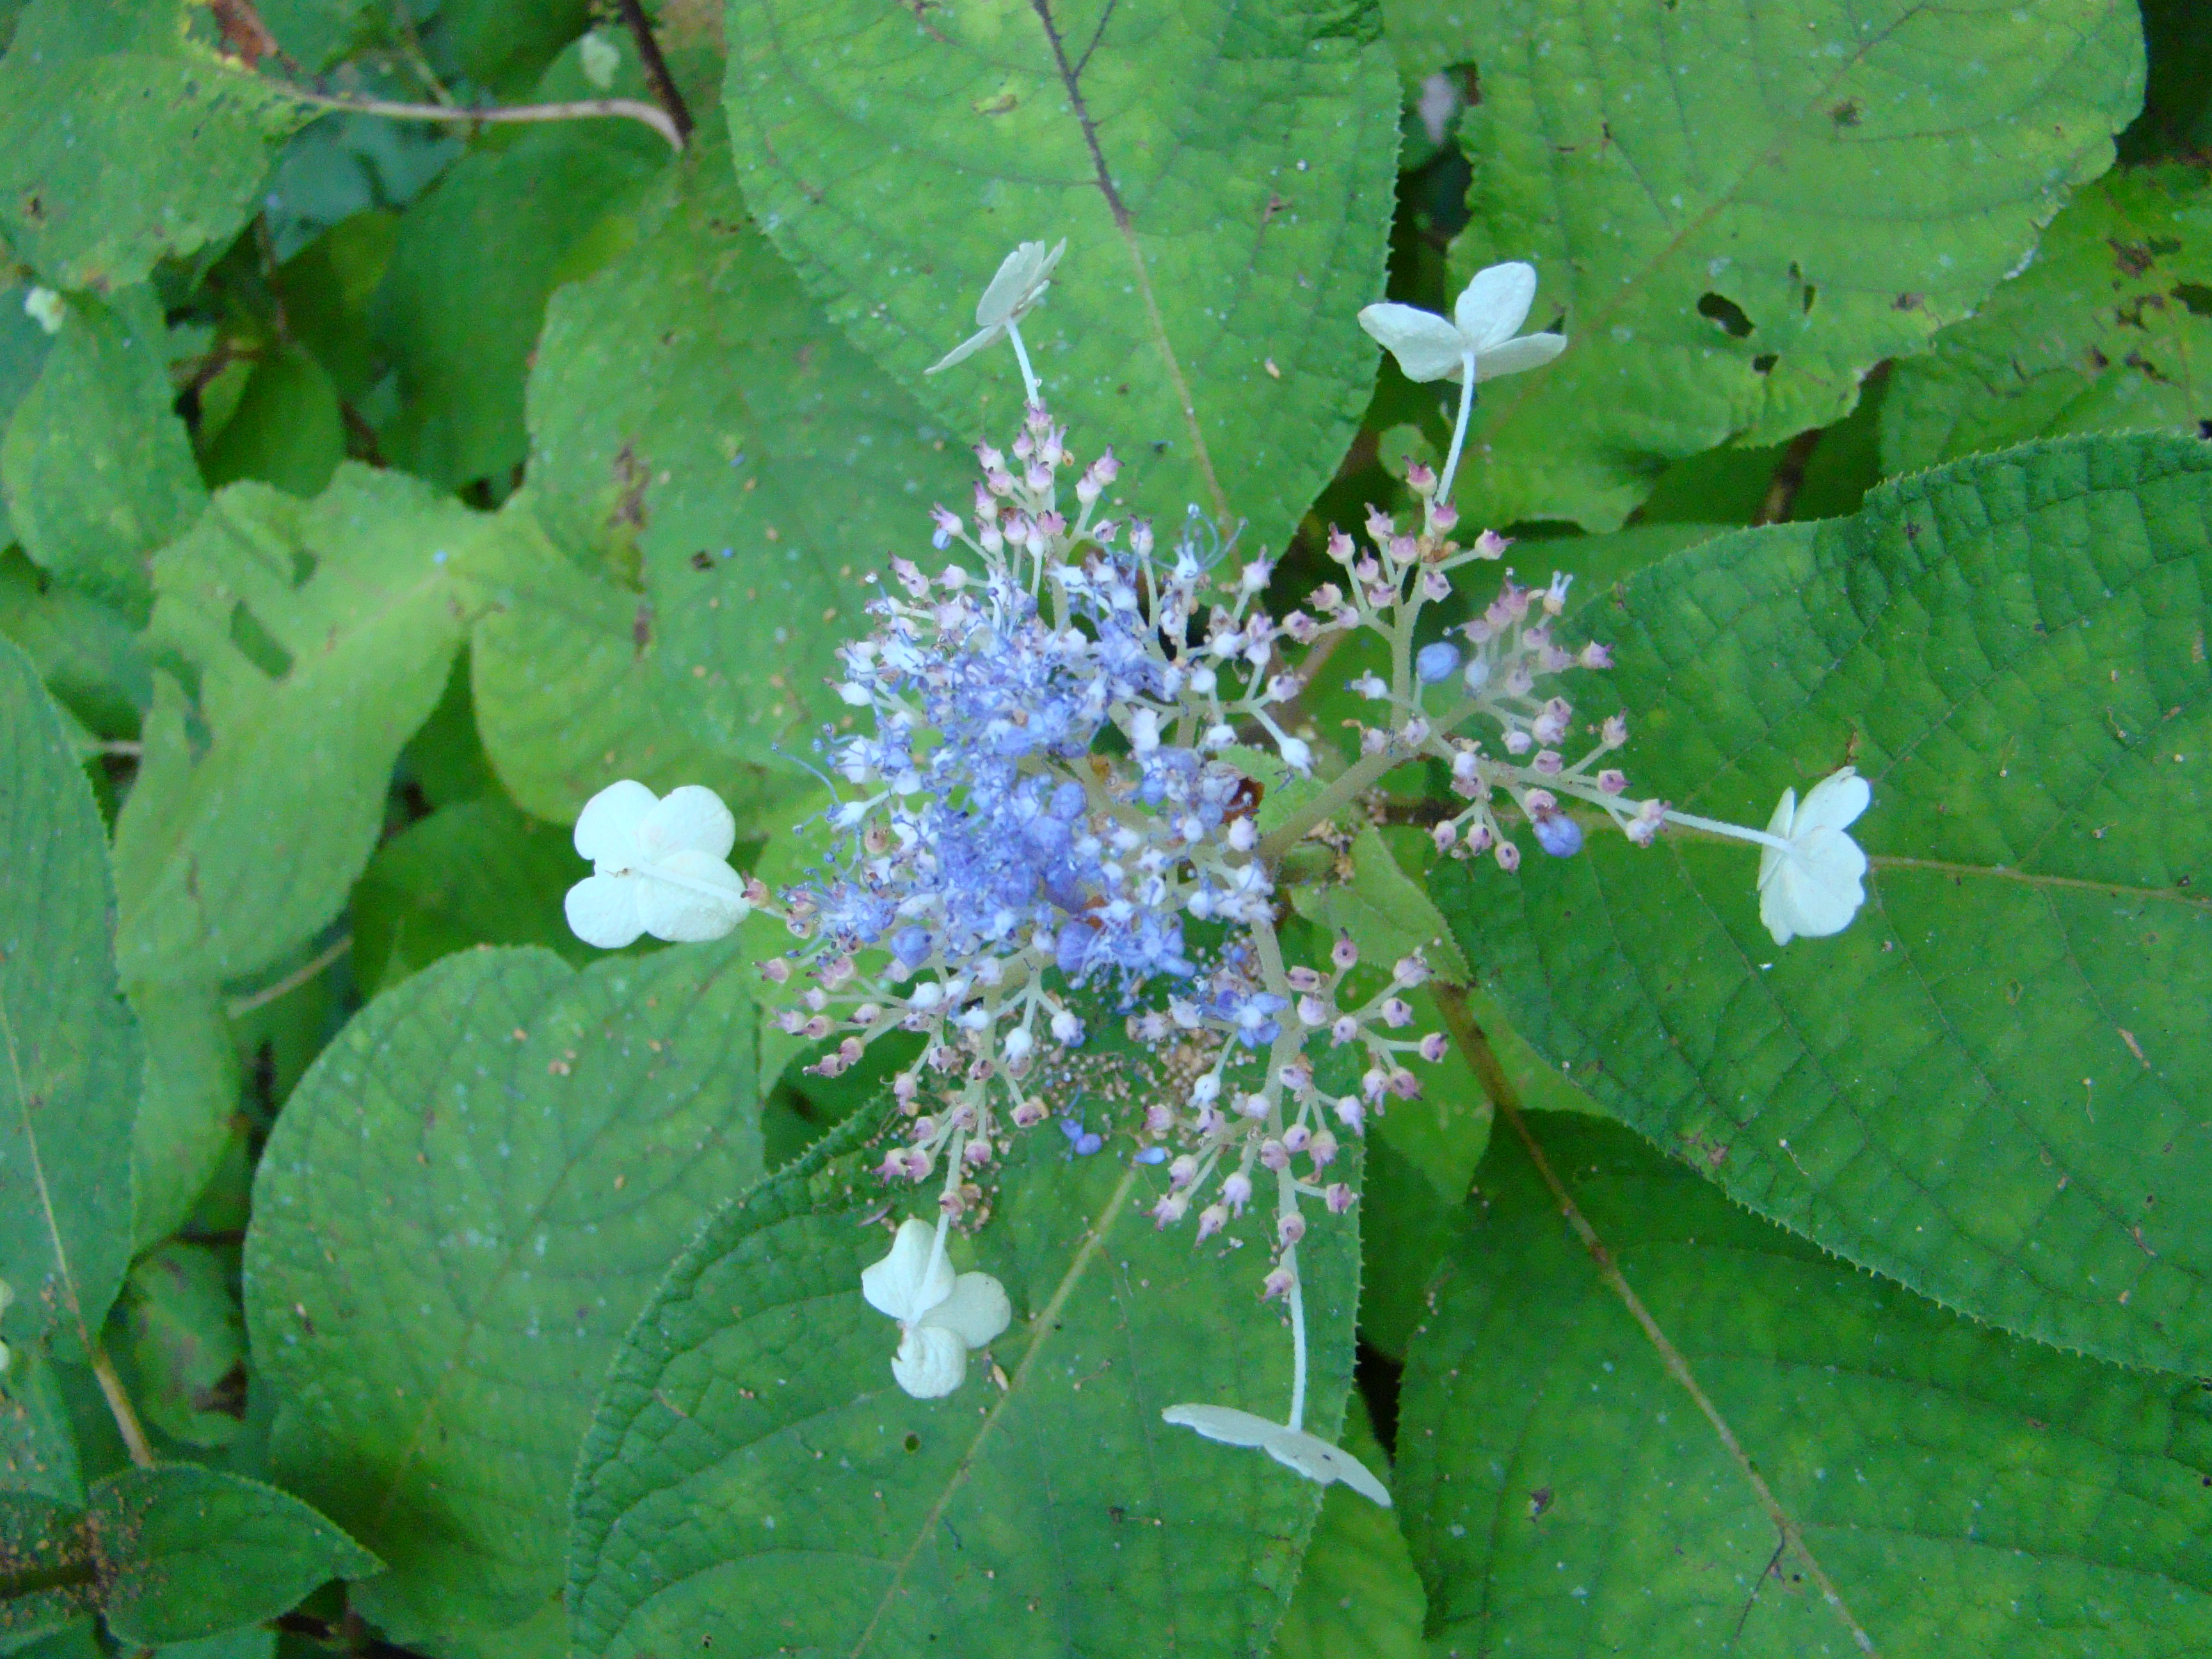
x: 304, y: 565
x: 1763, y: 363
x: 2196, y: 297
x: 1725, y: 312
x: 1811, y: 294
x: 256, y: 644
x: 914, y: 1443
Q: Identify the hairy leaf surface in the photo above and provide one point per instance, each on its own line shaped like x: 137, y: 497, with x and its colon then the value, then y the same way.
x: 1221, y: 170
x: 1990, y: 1086
x: 1957, y: 1490
x: 464, y: 1206
x: 1740, y: 208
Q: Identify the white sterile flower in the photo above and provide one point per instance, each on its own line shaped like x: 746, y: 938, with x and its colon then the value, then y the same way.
x: 1023, y: 276
x: 940, y: 1316
x: 598, y: 57
x: 658, y: 867
x: 1812, y: 886
x: 1294, y: 1449
x: 1480, y: 331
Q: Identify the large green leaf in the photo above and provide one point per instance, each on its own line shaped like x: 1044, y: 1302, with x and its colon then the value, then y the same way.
x: 70, y: 1074
x: 1357, y: 1592
x: 98, y: 470
x: 321, y: 634
x: 186, y: 1342
x: 691, y: 413
x: 751, y: 1423
x: 1742, y: 207
x: 1222, y: 172
x: 464, y: 295
x: 89, y: 657
x: 1990, y: 1086
x: 171, y: 1555
x: 1958, y: 1490
x: 185, y: 1111
x: 2111, y: 328
x: 464, y: 1206
x: 122, y: 140
x: 188, y: 1552
x: 567, y: 676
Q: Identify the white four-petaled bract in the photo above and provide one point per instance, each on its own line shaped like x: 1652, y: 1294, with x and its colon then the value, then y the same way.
x: 1812, y: 886
x: 941, y: 1315
x: 659, y: 866
x: 1294, y: 1449
x: 1022, y: 279
x: 1480, y: 330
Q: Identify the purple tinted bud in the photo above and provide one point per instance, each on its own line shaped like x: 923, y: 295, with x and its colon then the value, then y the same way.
x: 1153, y: 1155
x: 1435, y: 663
x: 1560, y: 835
x: 911, y: 945
x: 1338, y: 1198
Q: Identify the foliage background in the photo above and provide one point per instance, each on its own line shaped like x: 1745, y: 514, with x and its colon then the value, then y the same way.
x: 390, y: 485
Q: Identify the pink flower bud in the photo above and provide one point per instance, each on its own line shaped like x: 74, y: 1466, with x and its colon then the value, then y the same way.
x: 1030, y: 1113
x: 1273, y: 1155
x: 1339, y: 545
x: 1432, y: 1047
x: 1312, y: 1011
x: 1491, y: 545
x: 1291, y: 1228
x: 1210, y: 1220
x: 1397, y: 1013
x: 1444, y: 835
x: 775, y: 970
x: 1614, y: 732
x: 1237, y: 1191
x: 1443, y: 516
x: 1344, y: 1030
x: 1595, y: 655
x: 1323, y: 1149
x: 1421, y: 478
x: 1338, y: 1198
x: 1183, y: 1171
x: 977, y: 1152
x: 1352, y: 1114
x: 1405, y: 1085
x: 1159, y: 1118
x: 1169, y: 1210
x: 1277, y: 1283
x: 1296, y: 1137
x: 1613, y: 780
x: 1509, y: 857
x: 1345, y: 954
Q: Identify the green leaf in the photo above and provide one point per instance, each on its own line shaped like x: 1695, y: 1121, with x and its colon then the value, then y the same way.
x: 188, y: 1552
x: 1222, y: 172
x: 38, y: 1452
x: 71, y: 1070
x: 2110, y: 328
x: 464, y: 295
x: 287, y: 430
x: 1959, y: 1492
x: 1357, y: 1592
x: 1384, y: 911
x: 23, y: 346
x: 316, y: 34
x: 320, y: 633
x: 89, y: 657
x: 1989, y: 1086
x: 122, y: 141
x: 566, y: 670
x: 1742, y: 209
x: 184, y: 1114
x: 98, y: 471
x: 751, y: 1420
x: 46, y: 1567
x: 691, y: 413
x: 186, y: 1343
x: 477, y: 872
x: 465, y: 1204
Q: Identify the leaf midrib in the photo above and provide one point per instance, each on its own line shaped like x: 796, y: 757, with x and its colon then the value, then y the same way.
x: 1044, y: 1325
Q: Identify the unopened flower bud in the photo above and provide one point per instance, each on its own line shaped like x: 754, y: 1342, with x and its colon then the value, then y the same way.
x: 1397, y: 1013
x: 1558, y: 835
x: 1351, y: 1112
x: 1273, y: 1155
x: 1509, y: 857
x: 1343, y: 954
x: 1323, y: 1149
x: 1158, y: 1118
x: 1338, y: 1198
x: 1291, y: 1228
x: 1277, y: 1283
x: 1312, y: 1011
x: 1339, y: 545
x: 1030, y: 1113
x: 1210, y: 1220
x: 1443, y: 517
x: 775, y: 970
x: 1432, y: 1047
x: 1237, y: 1191
x: 1421, y: 478
x: 1491, y: 545
x: 1445, y: 833
x: 1170, y: 1209
x: 1435, y: 662
x: 1183, y: 1171
x: 1298, y: 1136
x: 1344, y: 1030
x: 1253, y: 1106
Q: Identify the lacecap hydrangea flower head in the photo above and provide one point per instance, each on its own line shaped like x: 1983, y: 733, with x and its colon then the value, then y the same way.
x: 1063, y: 739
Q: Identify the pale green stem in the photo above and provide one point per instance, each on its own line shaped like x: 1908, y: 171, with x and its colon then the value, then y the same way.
x: 1459, y: 428
x: 1349, y: 784
x: 1297, y: 1418
x: 1734, y: 831
x: 1022, y: 356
